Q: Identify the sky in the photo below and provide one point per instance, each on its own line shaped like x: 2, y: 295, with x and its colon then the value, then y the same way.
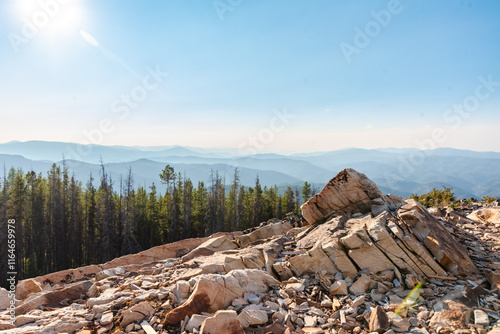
x: 266, y: 76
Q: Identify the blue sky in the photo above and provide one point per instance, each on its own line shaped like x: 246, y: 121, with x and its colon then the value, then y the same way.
x: 233, y: 65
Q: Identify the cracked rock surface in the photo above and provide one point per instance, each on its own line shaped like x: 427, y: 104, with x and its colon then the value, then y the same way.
x: 358, y: 262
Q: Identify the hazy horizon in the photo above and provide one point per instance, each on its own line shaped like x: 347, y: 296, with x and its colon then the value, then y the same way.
x: 281, y: 76
x: 229, y: 149
x: 396, y: 171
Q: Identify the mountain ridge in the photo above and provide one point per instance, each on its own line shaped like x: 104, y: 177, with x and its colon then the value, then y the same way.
x: 469, y: 173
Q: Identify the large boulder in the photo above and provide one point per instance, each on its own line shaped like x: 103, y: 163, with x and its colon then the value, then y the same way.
x: 27, y: 287
x: 349, y: 192
x: 223, y: 322
x: 214, y: 292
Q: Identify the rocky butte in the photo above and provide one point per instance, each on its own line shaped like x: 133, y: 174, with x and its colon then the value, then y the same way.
x: 358, y: 261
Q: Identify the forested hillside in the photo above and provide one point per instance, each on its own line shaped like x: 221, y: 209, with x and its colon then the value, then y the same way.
x: 62, y: 223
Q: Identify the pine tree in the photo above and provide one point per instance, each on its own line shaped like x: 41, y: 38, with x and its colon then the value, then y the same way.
x: 271, y: 198
x: 216, y: 203
x: 106, y: 217
x: 76, y: 223
x: 306, y: 192
x: 258, y: 204
x: 247, y: 212
x: 16, y: 210
x: 187, y: 207
x: 289, y: 200
x: 279, y: 215
x: 297, y: 200
x: 129, y: 243
x: 240, y: 207
x: 200, y: 211
x: 90, y: 234
x: 232, y: 208
x: 154, y: 217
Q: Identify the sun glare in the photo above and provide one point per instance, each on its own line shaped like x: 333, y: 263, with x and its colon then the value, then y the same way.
x: 89, y: 38
x: 53, y: 17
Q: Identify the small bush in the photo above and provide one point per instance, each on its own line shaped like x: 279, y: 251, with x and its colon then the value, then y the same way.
x: 489, y: 199
x: 436, y: 197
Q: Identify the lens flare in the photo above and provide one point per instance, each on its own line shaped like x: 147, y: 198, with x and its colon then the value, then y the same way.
x: 89, y: 38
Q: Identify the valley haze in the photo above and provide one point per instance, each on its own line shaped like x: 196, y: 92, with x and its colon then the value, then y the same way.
x: 396, y: 170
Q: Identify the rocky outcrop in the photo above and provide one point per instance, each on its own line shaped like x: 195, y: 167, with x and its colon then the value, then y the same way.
x: 347, y: 193
x: 409, y: 239
x: 435, y: 237
x: 364, y: 263
x: 157, y: 253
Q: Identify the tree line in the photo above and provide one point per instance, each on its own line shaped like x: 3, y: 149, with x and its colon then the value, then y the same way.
x: 61, y: 223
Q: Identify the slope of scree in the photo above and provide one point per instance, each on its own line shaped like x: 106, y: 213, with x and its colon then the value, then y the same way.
x: 360, y: 262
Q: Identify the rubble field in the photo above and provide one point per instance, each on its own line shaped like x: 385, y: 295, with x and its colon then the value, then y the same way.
x: 358, y: 261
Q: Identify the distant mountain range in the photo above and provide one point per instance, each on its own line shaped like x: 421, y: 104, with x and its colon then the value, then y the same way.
x: 397, y: 171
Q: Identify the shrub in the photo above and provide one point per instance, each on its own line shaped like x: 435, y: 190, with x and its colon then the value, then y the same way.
x: 489, y: 199
x: 436, y: 197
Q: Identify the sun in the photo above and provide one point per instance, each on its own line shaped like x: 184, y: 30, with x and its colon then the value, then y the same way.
x: 51, y: 17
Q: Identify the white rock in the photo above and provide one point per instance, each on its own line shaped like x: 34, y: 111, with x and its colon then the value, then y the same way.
x: 272, y: 305
x: 309, y: 321
x: 106, y: 318
x: 361, y: 285
x: 136, y: 312
x: 195, y: 322
x: 298, y: 287
x: 481, y: 318
x: 358, y: 301
x: 338, y: 288
x: 250, y: 316
x: 224, y: 321
x: 181, y: 290
x: 239, y: 302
